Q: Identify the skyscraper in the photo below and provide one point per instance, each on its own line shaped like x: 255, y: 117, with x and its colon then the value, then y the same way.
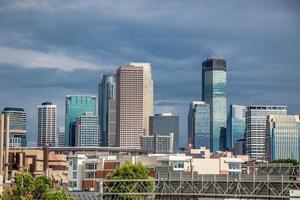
x: 107, y: 109
x: 134, y: 103
x: 87, y: 130
x: 46, y: 124
x: 214, y: 94
x: 76, y: 105
x: 283, y: 137
x: 236, y: 124
x: 17, y: 127
x: 164, y: 124
x: 61, y: 137
x: 256, y: 116
x: 199, y: 124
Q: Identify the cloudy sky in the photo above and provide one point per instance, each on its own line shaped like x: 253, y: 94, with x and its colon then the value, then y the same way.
x: 49, y: 49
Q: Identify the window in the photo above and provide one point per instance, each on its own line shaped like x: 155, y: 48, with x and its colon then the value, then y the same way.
x: 74, y: 175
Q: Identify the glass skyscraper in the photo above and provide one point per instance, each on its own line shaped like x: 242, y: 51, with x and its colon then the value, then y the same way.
x: 18, y: 132
x: 198, y: 124
x: 76, y: 105
x: 107, y: 109
x: 214, y: 94
x: 282, y: 137
x: 236, y: 124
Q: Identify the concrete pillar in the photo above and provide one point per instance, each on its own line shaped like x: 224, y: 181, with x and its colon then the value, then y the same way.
x: 6, y: 146
x: 1, y: 142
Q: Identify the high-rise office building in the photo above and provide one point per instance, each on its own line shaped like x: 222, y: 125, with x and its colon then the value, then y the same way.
x: 17, y: 127
x: 164, y: 124
x: 214, y: 94
x: 199, y: 124
x: 87, y: 130
x: 61, y: 137
x: 236, y: 125
x: 283, y: 137
x: 134, y: 103
x: 46, y: 124
x: 256, y: 116
x: 107, y: 109
x: 76, y: 105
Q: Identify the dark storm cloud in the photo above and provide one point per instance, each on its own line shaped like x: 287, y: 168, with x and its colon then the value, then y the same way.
x: 52, y: 48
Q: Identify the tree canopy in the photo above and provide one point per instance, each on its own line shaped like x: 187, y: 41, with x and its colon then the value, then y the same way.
x: 27, y: 187
x: 129, y: 171
x: 287, y: 160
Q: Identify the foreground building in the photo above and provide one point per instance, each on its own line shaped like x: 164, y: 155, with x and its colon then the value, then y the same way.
x: 107, y: 110
x: 87, y: 130
x: 256, y: 116
x: 199, y: 125
x: 134, y: 103
x: 76, y: 105
x: 18, y: 131
x: 214, y: 94
x: 283, y: 137
x: 46, y: 124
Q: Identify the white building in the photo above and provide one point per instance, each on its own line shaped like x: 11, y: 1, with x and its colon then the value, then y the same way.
x: 46, y: 124
x: 256, y: 117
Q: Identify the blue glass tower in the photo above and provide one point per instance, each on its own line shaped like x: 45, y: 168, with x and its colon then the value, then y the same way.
x: 198, y: 124
x: 76, y: 105
x: 107, y: 109
x: 236, y: 124
x: 18, y: 132
x: 214, y: 94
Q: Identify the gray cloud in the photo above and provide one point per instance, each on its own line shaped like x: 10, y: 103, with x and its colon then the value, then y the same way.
x: 52, y: 48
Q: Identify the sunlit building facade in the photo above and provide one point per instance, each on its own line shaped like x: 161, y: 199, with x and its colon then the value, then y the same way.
x: 283, y: 137
x: 256, y: 116
x: 134, y: 103
x: 46, y: 124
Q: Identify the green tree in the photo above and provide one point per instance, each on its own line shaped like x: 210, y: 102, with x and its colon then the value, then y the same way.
x: 27, y: 187
x: 59, y: 195
x: 287, y: 160
x: 130, y: 171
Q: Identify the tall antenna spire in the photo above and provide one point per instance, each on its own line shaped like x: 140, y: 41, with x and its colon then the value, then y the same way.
x: 216, y: 53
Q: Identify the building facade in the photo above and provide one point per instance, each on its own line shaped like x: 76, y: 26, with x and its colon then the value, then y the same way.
x: 164, y: 124
x: 199, y: 125
x: 158, y: 143
x: 61, y: 137
x: 236, y: 125
x: 283, y: 137
x: 76, y: 105
x: 214, y: 94
x: 256, y: 116
x: 17, y: 127
x: 107, y: 109
x: 46, y: 124
x: 87, y: 130
x: 134, y: 103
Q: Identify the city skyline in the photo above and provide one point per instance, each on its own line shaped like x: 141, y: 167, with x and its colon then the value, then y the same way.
x: 46, y: 69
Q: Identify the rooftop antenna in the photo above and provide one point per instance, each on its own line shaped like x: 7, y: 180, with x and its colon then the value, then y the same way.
x: 216, y: 53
